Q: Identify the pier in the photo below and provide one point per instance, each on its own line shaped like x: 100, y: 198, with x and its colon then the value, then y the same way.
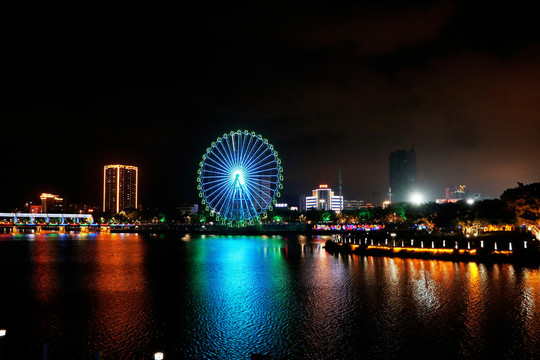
x: 497, y: 245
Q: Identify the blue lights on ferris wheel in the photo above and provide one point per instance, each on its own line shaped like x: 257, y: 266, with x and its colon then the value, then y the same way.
x: 239, y: 178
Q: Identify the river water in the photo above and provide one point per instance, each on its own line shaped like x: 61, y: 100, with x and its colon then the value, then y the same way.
x: 226, y: 297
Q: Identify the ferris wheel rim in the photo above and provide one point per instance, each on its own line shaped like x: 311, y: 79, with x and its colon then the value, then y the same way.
x: 239, y: 179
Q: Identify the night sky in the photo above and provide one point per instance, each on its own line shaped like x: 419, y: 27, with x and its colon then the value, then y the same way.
x: 328, y: 85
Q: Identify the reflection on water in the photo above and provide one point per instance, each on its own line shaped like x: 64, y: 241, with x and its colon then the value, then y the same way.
x: 225, y: 297
x: 120, y: 306
x: 240, y: 297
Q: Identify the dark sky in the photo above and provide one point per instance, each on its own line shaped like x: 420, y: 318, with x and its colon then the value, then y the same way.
x: 328, y: 85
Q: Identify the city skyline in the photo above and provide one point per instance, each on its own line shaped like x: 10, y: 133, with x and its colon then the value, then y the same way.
x: 331, y: 87
x: 113, y: 202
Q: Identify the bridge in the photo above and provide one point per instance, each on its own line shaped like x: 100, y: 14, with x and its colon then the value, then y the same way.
x: 30, y: 218
x: 35, y: 222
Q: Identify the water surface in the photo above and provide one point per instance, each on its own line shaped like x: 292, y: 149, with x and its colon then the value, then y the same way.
x: 225, y: 297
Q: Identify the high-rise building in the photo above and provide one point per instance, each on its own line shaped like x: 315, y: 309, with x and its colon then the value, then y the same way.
x: 120, y: 187
x: 402, y: 175
x: 323, y: 198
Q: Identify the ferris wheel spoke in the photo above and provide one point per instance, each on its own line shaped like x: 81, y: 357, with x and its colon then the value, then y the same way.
x: 223, y: 158
x: 218, y: 164
x: 230, y: 152
x: 255, y: 154
x: 220, y: 167
x: 213, y: 190
x: 220, y: 207
x: 249, y: 198
x: 219, y: 198
x: 261, y: 182
x: 265, y: 193
x: 256, y: 193
x: 254, y: 206
x: 261, y: 150
x: 226, y: 205
x: 253, y: 151
x: 215, y: 170
x: 240, y: 147
x: 234, y: 149
x: 218, y: 182
x: 258, y: 162
x: 247, y: 149
x: 215, y: 176
x: 260, y: 185
x: 225, y: 152
x: 250, y: 151
x: 244, y: 202
x: 262, y: 171
x: 263, y: 176
x: 210, y: 185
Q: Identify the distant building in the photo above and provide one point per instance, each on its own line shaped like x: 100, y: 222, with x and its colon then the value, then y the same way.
x: 353, y: 204
x: 188, y: 209
x: 402, y: 166
x: 51, y: 203
x: 34, y: 209
x: 458, y: 193
x: 120, y: 187
x: 322, y: 198
x: 81, y: 209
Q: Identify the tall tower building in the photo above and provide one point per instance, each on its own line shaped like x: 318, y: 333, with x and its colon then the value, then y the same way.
x: 120, y: 187
x: 402, y: 175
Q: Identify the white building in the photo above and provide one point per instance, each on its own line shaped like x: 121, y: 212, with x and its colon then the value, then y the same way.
x: 323, y: 198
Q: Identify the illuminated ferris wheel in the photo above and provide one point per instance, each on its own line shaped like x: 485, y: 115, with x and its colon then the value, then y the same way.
x: 239, y: 178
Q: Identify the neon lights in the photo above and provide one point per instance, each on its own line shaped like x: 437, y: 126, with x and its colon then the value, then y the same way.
x: 348, y: 227
x: 239, y: 178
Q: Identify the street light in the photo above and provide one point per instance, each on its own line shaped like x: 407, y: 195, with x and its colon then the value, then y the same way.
x: 417, y: 198
x: 158, y: 356
x: 3, y: 332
